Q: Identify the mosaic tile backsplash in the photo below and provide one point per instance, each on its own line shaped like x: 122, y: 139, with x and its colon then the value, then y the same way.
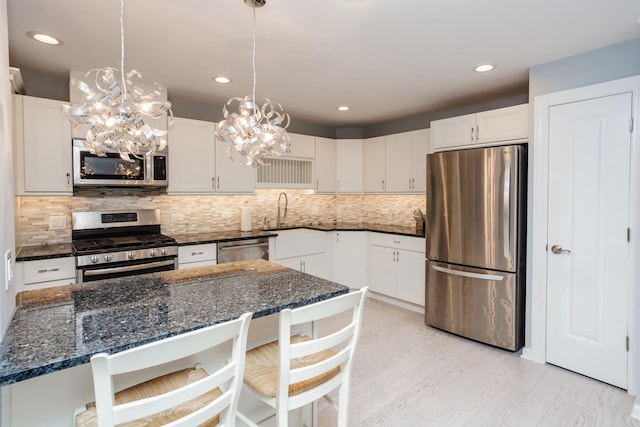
x: 193, y: 214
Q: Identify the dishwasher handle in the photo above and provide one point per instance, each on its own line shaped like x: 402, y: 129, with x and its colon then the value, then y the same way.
x: 236, y: 247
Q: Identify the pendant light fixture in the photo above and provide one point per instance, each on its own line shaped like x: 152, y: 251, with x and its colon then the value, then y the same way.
x: 118, y: 111
x: 253, y: 133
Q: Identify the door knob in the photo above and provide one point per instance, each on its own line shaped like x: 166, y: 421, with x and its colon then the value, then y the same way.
x: 557, y: 249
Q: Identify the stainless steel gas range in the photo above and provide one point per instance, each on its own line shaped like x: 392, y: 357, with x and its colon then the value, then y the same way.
x: 120, y: 243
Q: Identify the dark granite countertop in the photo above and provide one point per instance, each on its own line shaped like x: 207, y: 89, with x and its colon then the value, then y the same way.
x: 357, y: 226
x: 32, y: 253
x: 219, y: 236
x: 62, y: 327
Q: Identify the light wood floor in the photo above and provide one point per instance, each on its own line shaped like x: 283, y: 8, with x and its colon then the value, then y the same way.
x: 409, y: 374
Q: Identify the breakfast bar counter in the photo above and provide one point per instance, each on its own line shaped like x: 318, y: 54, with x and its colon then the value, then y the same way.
x: 57, y: 330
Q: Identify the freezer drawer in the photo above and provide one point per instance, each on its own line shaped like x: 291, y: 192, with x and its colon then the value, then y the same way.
x: 483, y: 305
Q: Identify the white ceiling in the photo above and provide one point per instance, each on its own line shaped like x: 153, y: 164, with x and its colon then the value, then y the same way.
x: 387, y: 59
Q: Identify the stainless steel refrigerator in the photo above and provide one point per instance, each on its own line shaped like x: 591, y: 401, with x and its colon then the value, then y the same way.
x: 475, y: 272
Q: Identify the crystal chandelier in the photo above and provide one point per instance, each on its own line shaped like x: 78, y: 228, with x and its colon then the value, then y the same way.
x: 116, y: 111
x: 254, y: 133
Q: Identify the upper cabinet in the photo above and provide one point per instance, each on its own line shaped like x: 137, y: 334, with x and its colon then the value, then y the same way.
x: 374, y: 165
x: 302, y: 146
x: 198, y: 164
x: 294, y: 169
x: 406, y: 161
x: 326, y: 168
x: 42, y: 137
x: 484, y: 128
x: 349, y: 166
x: 191, y: 166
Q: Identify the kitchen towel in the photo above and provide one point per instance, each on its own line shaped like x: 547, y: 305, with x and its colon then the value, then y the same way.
x: 245, y: 218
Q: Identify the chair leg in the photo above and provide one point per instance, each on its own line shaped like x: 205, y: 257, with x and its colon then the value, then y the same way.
x: 343, y: 404
x: 282, y: 418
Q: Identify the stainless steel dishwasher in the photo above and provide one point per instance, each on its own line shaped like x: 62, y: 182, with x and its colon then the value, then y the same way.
x: 238, y: 250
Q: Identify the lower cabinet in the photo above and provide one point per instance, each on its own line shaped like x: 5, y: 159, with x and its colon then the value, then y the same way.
x: 350, y: 258
x: 396, y: 267
x: 305, y: 250
x: 201, y: 255
x: 45, y: 273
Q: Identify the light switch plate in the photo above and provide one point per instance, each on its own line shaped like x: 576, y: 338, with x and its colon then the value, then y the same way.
x: 57, y: 222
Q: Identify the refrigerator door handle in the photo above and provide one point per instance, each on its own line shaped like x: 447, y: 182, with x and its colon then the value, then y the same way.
x: 506, y: 208
x: 468, y: 274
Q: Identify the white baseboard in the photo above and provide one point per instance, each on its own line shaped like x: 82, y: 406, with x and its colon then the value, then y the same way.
x: 635, y: 412
x: 397, y: 302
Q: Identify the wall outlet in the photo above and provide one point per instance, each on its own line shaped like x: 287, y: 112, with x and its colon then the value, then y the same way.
x: 57, y: 222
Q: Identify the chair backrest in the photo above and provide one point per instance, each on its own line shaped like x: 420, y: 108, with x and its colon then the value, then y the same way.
x: 228, y: 378
x: 341, y: 341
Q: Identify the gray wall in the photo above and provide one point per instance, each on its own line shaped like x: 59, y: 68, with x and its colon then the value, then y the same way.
x: 597, y: 66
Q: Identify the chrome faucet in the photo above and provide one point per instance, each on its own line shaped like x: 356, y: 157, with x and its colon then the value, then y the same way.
x: 281, y: 220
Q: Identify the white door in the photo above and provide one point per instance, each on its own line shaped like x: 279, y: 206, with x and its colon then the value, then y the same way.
x: 588, y: 252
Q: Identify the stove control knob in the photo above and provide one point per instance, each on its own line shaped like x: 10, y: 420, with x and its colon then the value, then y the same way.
x: 152, y: 252
x: 131, y: 255
x: 95, y: 259
x: 108, y: 257
x: 163, y: 251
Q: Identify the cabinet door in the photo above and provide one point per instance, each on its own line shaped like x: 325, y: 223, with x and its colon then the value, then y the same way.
x: 374, y: 165
x: 421, y: 147
x: 383, y: 270
x: 292, y: 263
x: 503, y: 124
x: 349, y: 155
x: 232, y: 177
x: 303, y: 146
x: 191, y: 157
x: 326, y: 170
x: 350, y: 258
x: 411, y: 276
x: 319, y: 266
x: 399, y: 162
x: 453, y: 132
x: 46, y: 143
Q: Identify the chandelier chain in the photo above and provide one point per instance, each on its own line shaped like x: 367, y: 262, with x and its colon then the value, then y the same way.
x: 124, y: 85
x: 253, y: 57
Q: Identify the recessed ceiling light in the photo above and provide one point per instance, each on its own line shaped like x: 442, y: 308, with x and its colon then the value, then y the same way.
x: 344, y: 108
x: 44, y: 38
x: 222, y: 79
x: 484, y: 68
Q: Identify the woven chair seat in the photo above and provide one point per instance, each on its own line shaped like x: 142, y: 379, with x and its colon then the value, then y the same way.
x: 154, y: 387
x: 261, y: 368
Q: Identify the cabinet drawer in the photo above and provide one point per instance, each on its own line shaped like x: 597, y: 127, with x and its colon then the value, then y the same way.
x: 415, y: 244
x: 196, y: 253
x: 47, y: 270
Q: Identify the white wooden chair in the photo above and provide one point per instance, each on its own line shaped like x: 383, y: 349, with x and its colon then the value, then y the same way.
x: 297, y: 370
x: 188, y: 397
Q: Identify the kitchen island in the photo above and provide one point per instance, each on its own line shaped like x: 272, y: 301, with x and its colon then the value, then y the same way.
x: 45, y: 353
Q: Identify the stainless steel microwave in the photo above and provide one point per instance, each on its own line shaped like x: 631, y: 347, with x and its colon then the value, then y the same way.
x: 90, y: 170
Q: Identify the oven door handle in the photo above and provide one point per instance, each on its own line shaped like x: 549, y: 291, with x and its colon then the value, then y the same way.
x: 128, y: 268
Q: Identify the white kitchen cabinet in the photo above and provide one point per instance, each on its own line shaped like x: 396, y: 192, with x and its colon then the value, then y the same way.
x: 399, y: 162
x: 420, y: 148
x: 484, y: 128
x: 374, y: 165
x: 192, y: 157
x: 350, y: 258
x: 302, y: 146
x: 232, y: 177
x: 349, y: 165
x: 42, y: 137
x: 326, y: 168
x: 397, y: 267
x: 45, y: 273
x: 305, y: 250
x: 198, y: 164
x: 199, y: 255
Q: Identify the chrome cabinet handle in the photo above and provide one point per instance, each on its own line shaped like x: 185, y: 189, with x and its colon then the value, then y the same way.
x: 317, y: 184
x: 197, y: 253
x: 477, y: 132
x: 557, y: 249
x: 213, y: 182
x: 471, y: 134
x: 382, y: 183
x: 44, y: 270
x: 218, y: 182
x: 397, y: 256
x: 68, y: 179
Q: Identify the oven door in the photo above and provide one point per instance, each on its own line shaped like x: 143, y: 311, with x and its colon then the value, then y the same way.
x: 91, y: 273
